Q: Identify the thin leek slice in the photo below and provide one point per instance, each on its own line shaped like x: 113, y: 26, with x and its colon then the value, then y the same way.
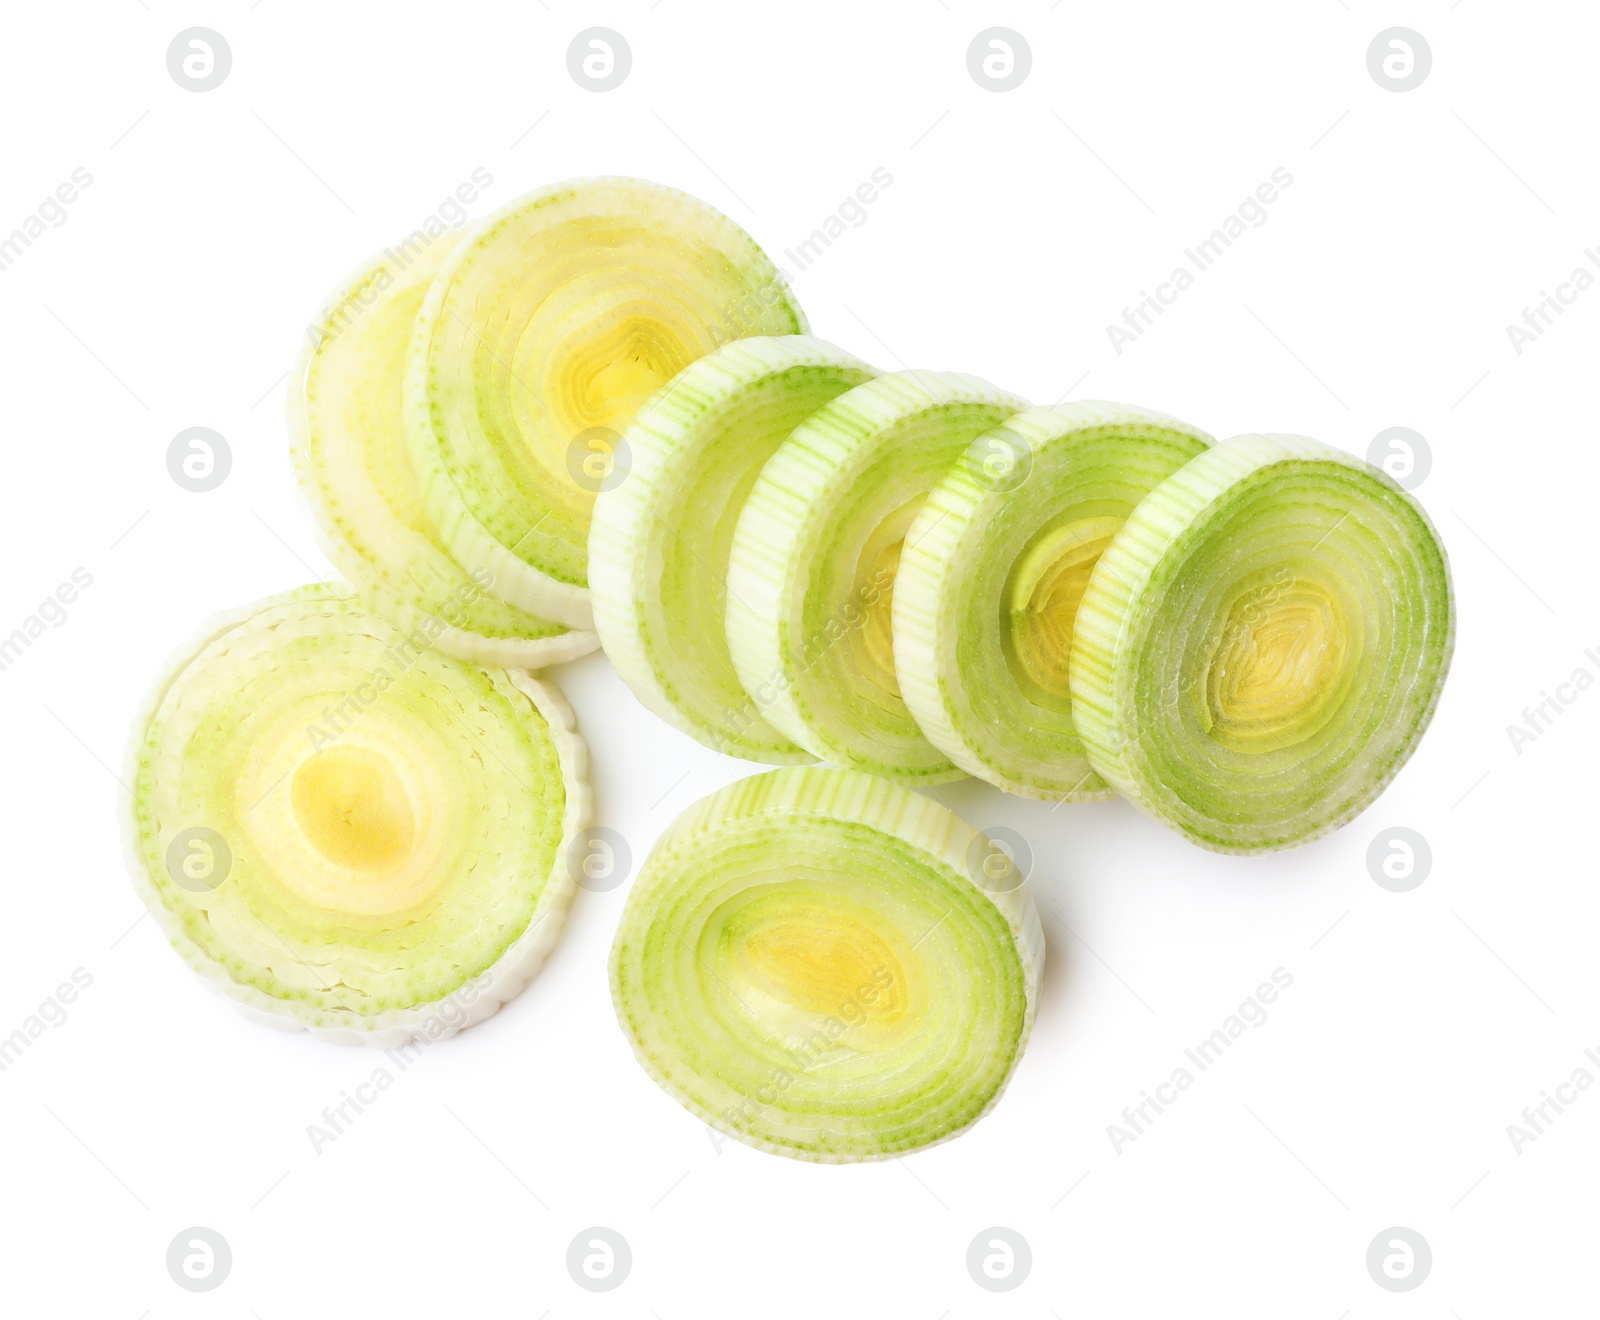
x: 659, y: 545
x: 546, y: 329
x: 1263, y: 644
x: 344, y: 832
x: 991, y: 577
x: 812, y: 961
x: 354, y: 465
x: 812, y: 569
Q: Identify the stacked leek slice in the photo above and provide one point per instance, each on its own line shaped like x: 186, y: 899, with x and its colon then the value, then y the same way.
x: 928, y: 578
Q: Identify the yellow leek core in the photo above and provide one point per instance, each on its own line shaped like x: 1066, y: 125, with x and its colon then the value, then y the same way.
x: 880, y: 561
x: 1041, y: 603
x: 1277, y: 671
x: 819, y: 961
x: 352, y: 808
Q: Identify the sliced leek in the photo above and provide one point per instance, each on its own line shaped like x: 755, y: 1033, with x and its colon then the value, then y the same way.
x: 659, y: 544
x: 354, y: 465
x: 991, y: 577
x: 345, y: 832
x: 546, y: 329
x: 1262, y: 645
x: 812, y: 569
x: 819, y: 963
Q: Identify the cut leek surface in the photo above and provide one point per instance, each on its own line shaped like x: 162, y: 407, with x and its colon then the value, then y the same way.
x: 809, y: 963
x: 546, y: 329
x: 343, y: 832
x: 991, y: 577
x: 354, y: 465
x: 1263, y: 643
x: 812, y: 569
x: 659, y: 545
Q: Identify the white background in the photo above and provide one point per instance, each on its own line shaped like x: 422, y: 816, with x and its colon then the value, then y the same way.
x: 1017, y: 226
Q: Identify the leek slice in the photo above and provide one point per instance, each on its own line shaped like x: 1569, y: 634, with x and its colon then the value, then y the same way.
x: 546, y: 329
x: 1263, y: 644
x: 659, y: 544
x: 991, y: 577
x: 354, y: 465
x: 812, y: 961
x: 344, y: 832
x: 812, y: 569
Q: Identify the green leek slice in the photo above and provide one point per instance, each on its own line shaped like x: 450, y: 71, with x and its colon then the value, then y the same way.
x: 354, y: 465
x: 344, y: 832
x: 991, y: 577
x: 1261, y: 647
x: 812, y: 569
x: 546, y: 329
x: 821, y: 964
x: 659, y: 544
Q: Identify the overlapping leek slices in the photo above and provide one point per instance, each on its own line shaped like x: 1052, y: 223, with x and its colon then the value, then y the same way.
x: 545, y: 330
x: 659, y: 545
x: 354, y: 465
x: 345, y: 832
x: 817, y: 962
x: 1261, y: 646
x: 990, y: 580
x: 812, y: 569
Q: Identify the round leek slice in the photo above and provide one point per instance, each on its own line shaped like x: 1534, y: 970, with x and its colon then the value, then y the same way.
x: 345, y: 832
x: 812, y: 569
x: 659, y: 544
x: 991, y: 577
x: 354, y: 465
x: 546, y: 329
x: 827, y: 966
x: 1262, y: 645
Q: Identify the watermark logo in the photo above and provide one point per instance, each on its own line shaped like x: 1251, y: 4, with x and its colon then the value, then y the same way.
x: 1399, y: 1259
x: 599, y: 859
x: 1137, y: 1119
x: 199, y: 459
x: 598, y: 459
x: 1540, y: 718
x: 199, y: 59
x: 1251, y: 213
x: 851, y: 213
x: 999, y: 59
x: 1536, y: 1119
x: 51, y: 1013
x: 599, y: 59
x: 51, y: 612
x: 1399, y: 59
x: 599, y: 1259
x: 198, y: 859
x: 199, y: 1259
x: 999, y: 860
x: 999, y: 1259
x: 1004, y: 460
x: 51, y: 212
x: 1403, y: 454
x: 1399, y: 859
x: 1542, y: 315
